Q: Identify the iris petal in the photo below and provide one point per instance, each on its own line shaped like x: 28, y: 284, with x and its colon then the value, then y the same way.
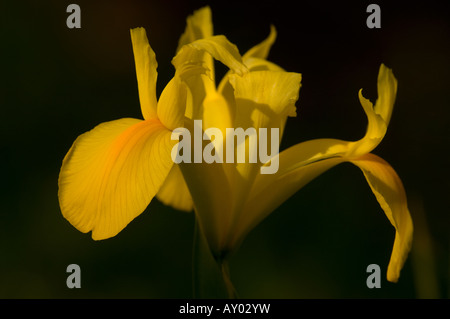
x: 212, y: 194
x: 255, y: 60
x: 388, y: 189
x: 387, y: 92
x: 301, y: 163
x: 112, y: 172
x: 307, y: 153
x: 265, y: 98
x: 262, y: 49
x: 172, y: 104
x: 146, y: 73
x: 198, y: 26
x: 218, y: 47
x: 378, y: 116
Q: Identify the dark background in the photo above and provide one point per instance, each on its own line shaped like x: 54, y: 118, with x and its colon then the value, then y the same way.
x: 58, y: 83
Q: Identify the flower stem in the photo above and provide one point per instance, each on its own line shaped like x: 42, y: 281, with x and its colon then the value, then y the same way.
x: 211, y: 275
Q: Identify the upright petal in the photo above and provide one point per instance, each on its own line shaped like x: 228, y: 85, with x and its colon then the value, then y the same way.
x: 202, y: 85
x: 379, y: 116
x: 387, y: 93
x: 146, y: 74
x: 198, y: 26
x: 112, y: 172
x: 376, y: 129
x: 262, y: 49
x: 172, y: 104
x: 263, y: 99
x: 255, y: 60
x: 388, y: 189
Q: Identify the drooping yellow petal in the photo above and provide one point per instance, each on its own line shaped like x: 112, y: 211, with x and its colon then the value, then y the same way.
x: 303, y: 162
x: 263, y: 101
x: 270, y: 191
x: 292, y: 160
x: 145, y: 62
x: 174, y: 191
x: 112, y: 172
x: 388, y: 189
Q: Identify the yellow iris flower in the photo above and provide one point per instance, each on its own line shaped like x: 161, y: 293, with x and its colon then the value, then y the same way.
x: 111, y: 173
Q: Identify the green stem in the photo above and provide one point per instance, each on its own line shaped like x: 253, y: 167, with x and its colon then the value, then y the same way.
x: 211, y: 275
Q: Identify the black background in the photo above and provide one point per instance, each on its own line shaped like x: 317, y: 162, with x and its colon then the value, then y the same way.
x: 58, y: 83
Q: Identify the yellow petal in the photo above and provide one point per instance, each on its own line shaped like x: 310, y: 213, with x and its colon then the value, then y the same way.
x: 212, y: 195
x: 173, y: 99
x: 218, y: 47
x: 201, y: 85
x: 262, y: 49
x: 310, y: 152
x: 376, y: 130
x: 265, y: 98
x: 198, y: 26
x: 387, y: 92
x: 146, y: 73
x: 195, y: 76
x: 255, y: 60
x: 172, y: 104
x: 388, y: 189
x: 174, y: 192
x: 257, y: 64
x: 253, y: 64
x: 217, y: 113
x: 112, y: 172
x: 379, y: 116
x: 305, y: 161
x: 298, y: 166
